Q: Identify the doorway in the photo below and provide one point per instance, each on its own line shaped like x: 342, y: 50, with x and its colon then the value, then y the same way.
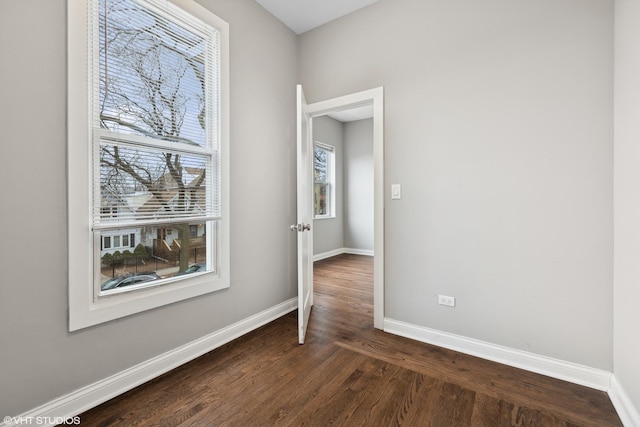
x: 369, y: 102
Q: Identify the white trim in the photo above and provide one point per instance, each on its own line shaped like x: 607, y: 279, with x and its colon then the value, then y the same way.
x: 373, y: 97
x: 627, y: 412
x: 94, y: 394
x: 340, y: 251
x: 353, y: 251
x: 328, y: 254
x: 324, y: 217
x: 568, y: 371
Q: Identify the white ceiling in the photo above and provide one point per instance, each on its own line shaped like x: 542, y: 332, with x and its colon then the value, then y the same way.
x: 357, y: 113
x: 304, y: 15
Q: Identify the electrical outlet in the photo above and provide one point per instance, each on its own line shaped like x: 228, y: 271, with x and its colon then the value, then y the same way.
x: 445, y: 300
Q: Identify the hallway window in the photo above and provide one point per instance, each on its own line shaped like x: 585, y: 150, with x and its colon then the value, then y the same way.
x: 324, y: 181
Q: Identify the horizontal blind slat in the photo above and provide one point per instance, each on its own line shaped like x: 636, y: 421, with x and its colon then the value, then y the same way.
x: 138, y: 224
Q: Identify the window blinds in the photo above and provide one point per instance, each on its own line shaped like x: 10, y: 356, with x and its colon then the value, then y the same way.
x: 155, y: 121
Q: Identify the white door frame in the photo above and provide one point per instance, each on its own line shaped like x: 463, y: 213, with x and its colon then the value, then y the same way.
x: 373, y: 97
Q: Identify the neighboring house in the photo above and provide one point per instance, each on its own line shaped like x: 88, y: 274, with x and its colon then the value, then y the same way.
x: 161, y: 241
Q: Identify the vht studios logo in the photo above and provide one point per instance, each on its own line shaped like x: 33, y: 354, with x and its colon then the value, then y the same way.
x: 41, y: 420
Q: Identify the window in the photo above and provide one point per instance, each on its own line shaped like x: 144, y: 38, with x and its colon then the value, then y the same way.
x: 124, y: 241
x: 324, y: 181
x: 152, y: 122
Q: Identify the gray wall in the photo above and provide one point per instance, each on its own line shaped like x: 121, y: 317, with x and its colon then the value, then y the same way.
x: 40, y: 360
x: 626, y: 346
x: 498, y: 125
x: 328, y: 233
x: 358, y: 184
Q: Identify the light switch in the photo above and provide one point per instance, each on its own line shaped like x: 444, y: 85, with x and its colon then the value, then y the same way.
x: 396, y: 191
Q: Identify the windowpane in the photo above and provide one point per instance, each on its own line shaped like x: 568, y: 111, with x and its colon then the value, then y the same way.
x: 164, y: 251
x: 149, y: 184
x: 324, y: 177
x: 152, y: 74
x: 320, y: 164
x: 320, y: 199
x: 156, y: 135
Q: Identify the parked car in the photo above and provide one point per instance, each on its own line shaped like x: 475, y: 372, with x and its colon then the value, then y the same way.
x: 128, y: 280
x: 201, y: 266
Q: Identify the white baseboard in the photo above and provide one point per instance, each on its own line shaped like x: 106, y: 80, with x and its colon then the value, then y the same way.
x: 340, y: 251
x: 352, y: 251
x: 627, y: 412
x: 568, y: 371
x: 328, y: 254
x: 94, y: 394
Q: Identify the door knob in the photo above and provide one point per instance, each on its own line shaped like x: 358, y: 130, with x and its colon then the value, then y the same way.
x: 301, y: 227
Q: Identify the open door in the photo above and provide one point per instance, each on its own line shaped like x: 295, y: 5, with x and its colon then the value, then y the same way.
x: 304, y: 216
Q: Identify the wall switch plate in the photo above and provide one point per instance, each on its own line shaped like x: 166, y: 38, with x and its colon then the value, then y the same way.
x: 445, y: 300
x: 396, y: 191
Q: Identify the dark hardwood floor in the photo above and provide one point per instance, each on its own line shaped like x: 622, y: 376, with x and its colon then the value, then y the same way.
x: 349, y: 373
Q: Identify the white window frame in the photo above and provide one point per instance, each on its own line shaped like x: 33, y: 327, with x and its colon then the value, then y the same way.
x: 85, y: 307
x: 331, y: 180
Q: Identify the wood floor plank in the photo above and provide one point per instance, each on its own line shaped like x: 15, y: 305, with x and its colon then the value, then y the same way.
x: 285, y: 406
x: 364, y: 398
x: 489, y: 411
x: 440, y: 403
x: 271, y: 394
x: 348, y: 373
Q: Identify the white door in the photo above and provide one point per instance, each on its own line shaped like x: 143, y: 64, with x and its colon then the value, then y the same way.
x: 304, y: 216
